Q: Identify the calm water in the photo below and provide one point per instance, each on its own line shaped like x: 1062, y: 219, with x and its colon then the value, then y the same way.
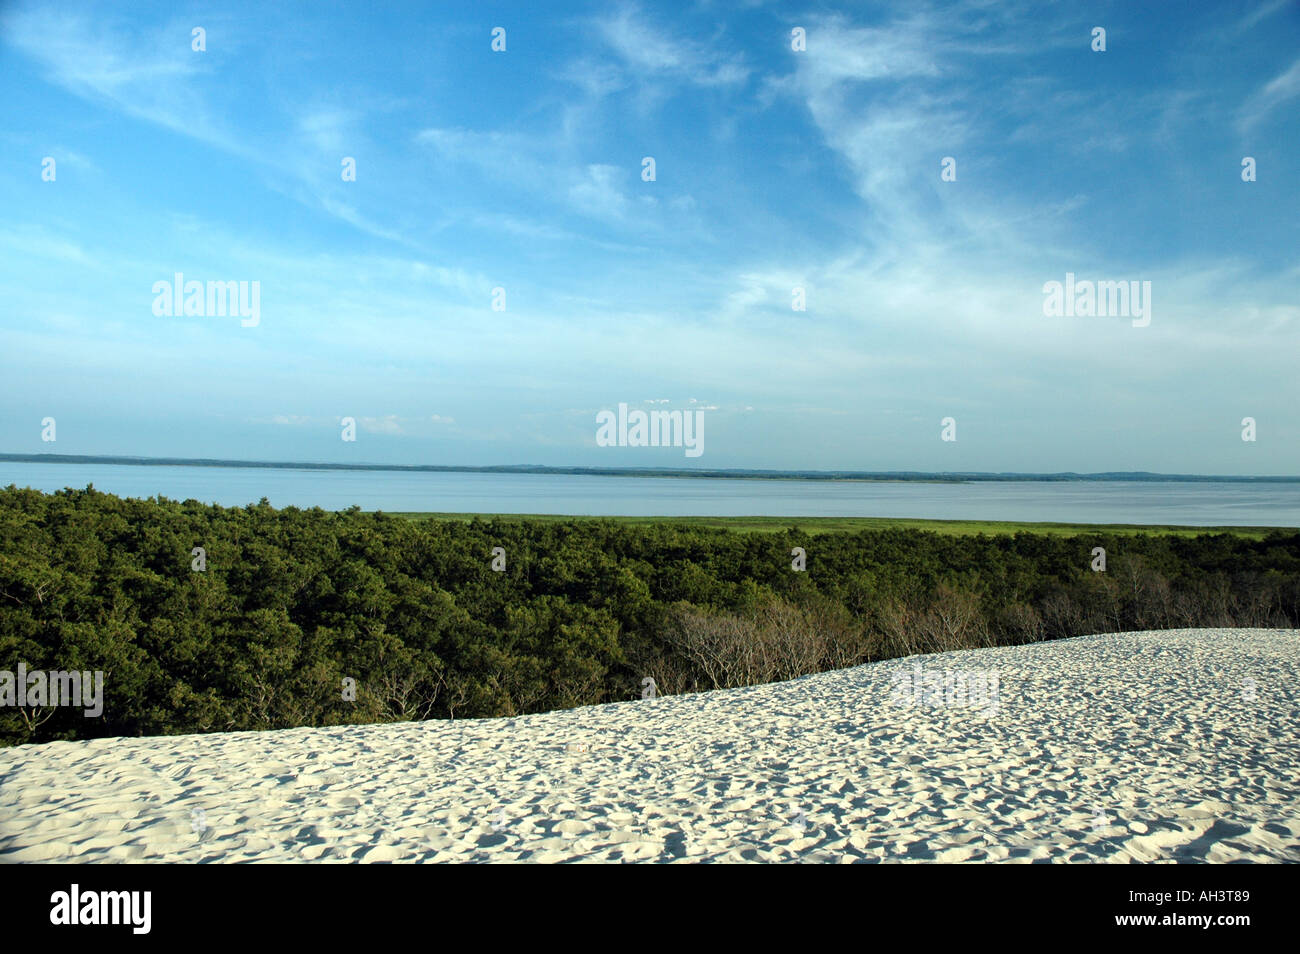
x: 1205, y: 504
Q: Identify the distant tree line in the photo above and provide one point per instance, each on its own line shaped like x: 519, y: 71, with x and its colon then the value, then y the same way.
x: 289, y: 605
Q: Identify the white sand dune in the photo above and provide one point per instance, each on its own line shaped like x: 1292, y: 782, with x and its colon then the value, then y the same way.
x: 1157, y: 746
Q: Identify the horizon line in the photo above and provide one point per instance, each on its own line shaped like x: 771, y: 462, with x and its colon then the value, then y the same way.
x: 583, y: 470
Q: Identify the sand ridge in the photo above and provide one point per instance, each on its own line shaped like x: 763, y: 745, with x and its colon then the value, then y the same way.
x: 1176, y: 745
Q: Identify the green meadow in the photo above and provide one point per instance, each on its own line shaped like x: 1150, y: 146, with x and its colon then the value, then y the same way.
x: 819, y: 525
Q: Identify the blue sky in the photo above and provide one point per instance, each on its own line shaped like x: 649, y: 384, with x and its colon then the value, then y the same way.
x: 775, y: 169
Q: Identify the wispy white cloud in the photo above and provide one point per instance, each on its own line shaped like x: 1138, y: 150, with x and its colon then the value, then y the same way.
x: 330, y: 130
x: 1262, y: 13
x: 598, y: 193
x: 148, y: 73
x: 650, y: 52
x: 346, y: 212
x: 387, y: 424
x: 510, y: 155
x: 38, y: 242
x: 151, y: 73
x: 1279, y: 90
x: 534, y: 165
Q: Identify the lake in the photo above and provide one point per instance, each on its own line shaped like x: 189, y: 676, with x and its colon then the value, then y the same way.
x: 1148, y: 502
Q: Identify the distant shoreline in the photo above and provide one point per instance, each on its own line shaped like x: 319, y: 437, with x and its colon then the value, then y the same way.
x: 726, y: 474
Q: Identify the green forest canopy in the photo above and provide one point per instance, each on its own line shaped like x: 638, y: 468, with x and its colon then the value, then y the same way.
x: 292, y: 602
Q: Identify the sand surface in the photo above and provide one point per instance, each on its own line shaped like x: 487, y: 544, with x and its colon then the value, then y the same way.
x: 1159, y: 746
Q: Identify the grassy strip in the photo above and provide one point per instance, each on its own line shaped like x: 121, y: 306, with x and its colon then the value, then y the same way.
x: 815, y: 525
